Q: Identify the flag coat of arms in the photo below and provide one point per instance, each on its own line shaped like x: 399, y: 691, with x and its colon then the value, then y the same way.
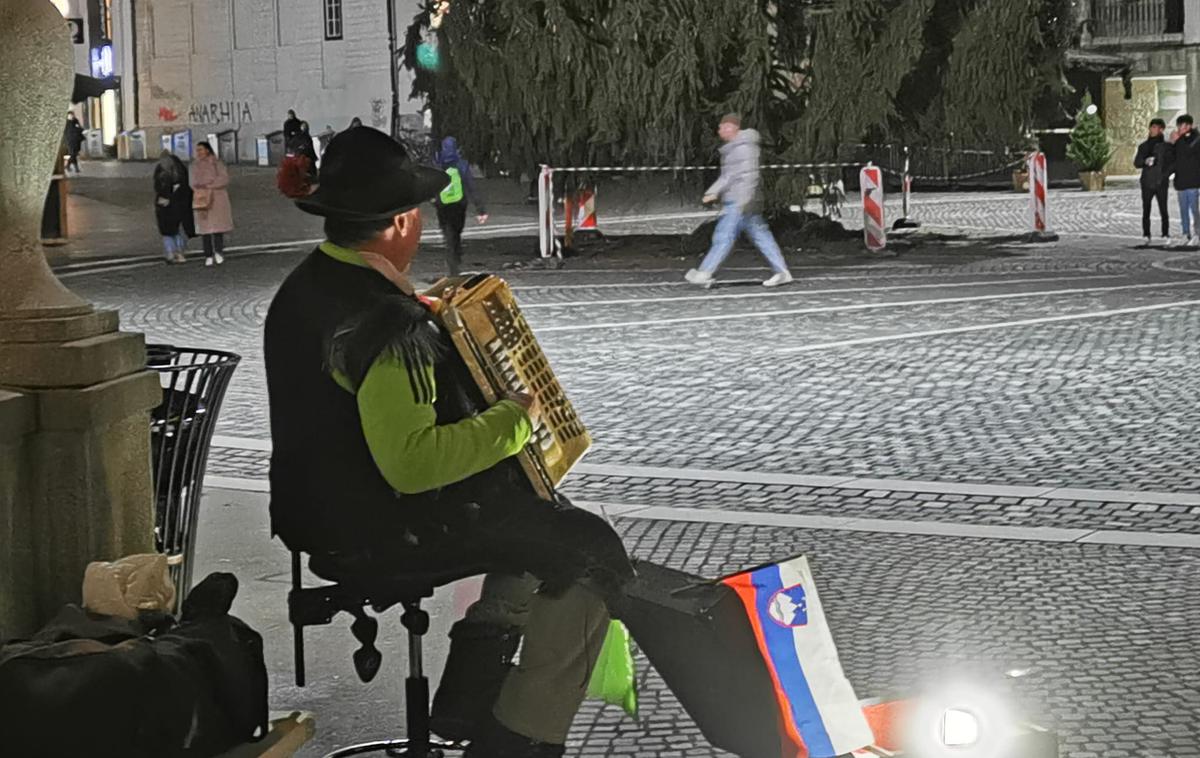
x: 818, y: 711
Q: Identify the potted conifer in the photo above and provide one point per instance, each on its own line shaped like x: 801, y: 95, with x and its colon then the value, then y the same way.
x: 1090, y: 147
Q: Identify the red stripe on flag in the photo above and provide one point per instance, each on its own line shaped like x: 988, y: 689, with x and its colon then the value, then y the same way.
x: 791, y: 746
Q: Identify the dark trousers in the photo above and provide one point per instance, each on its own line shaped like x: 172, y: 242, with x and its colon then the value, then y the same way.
x: 73, y: 159
x: 1149, y: 193
x: 452, y: 218
x: 213, y: 243
x: 580, y: 565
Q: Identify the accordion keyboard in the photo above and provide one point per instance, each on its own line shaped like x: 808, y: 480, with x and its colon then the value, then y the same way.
x: 503, y: 355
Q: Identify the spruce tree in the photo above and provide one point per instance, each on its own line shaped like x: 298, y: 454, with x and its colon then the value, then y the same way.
x: 642, y: 82
x: 1089, y: 146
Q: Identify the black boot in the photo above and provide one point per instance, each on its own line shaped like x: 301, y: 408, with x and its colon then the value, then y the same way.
x: 496, y: 741
x: 480, y: 658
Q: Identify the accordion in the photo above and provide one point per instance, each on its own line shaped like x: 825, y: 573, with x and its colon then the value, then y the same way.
x: 503, y: 356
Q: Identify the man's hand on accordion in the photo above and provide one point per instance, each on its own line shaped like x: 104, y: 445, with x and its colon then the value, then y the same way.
x: 530, y: 404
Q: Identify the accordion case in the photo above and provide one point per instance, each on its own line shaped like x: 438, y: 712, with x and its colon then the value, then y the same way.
x: 757, y: 692
x: 502, y: 355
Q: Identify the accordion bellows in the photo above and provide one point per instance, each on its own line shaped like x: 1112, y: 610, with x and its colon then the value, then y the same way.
x: 496, y: 343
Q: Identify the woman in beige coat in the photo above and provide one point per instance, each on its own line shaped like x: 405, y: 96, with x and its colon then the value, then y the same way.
x: 210, y: 202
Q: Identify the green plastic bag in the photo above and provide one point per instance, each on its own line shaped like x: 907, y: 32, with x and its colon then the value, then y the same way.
x: 613, y: 679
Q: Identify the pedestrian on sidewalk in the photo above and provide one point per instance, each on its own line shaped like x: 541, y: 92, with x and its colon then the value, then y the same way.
x: 173, y: 206
x: 451, y: 203
x: 291, y: 127
x: 73, y: 137
x: 1185, y: 164
x: 739, y: 190
x: 1152, y: 158
x: 210, y: 201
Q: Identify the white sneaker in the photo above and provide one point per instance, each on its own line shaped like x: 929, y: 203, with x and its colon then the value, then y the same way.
x: 696, y: 276
x: 1147, y: 242
x: 208, y: 261
x: 783, y: 277
x: 179, y: 258
x: 220, y: 259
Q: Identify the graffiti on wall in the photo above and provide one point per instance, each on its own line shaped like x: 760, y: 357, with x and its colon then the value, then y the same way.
x: 167, y: 115
x: 221, y: 112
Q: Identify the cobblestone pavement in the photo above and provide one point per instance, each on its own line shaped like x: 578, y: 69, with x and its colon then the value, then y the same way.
x: 857, y: 372
x: 905, y: 610
x: 1106, y: 633
x: 1059, y: 366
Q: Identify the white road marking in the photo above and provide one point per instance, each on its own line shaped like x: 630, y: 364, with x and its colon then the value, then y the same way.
x: 952, y: 529
x: 890, y: 271
x: 835, y: 523
x: 795, y: 292
x: 983, y: 327
x: 843, y: 481
x: 863, y: 307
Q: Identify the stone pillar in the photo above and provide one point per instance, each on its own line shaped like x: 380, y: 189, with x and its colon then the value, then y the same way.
x: 74, y: 393
x: 1191, y: 23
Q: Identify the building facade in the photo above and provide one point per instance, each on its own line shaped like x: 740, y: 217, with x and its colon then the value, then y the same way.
x: 237, y: 66
x: 98, y: 33
x: 1160, y: 41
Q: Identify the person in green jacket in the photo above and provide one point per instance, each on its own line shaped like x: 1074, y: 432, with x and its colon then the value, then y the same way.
x: 383, y: 447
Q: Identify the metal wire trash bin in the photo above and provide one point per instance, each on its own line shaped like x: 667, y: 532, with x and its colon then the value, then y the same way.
x: 193, y: 382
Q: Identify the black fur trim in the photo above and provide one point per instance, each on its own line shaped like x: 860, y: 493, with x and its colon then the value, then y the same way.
x: 395, y: 323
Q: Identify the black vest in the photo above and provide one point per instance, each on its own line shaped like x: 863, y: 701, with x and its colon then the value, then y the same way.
x: 326, y: 492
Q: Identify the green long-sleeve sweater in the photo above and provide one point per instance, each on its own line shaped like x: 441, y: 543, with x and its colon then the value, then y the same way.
x: 396, y: 409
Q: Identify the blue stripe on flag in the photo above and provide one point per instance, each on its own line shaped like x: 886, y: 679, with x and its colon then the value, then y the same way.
x: 781, y: 647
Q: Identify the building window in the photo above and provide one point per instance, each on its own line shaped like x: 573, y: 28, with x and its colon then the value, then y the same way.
x: 333, y: 19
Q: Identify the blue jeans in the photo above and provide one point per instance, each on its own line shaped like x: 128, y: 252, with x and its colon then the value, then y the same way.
x: 1189, y: 210
x: 732, y: 223
x: 174, y: 243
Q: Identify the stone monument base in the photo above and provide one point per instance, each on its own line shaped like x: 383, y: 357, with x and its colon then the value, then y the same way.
x: 75, y: 480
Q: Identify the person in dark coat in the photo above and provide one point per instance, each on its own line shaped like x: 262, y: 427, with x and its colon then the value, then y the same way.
x: 1152, y: 158
x: 291, y: 127
x: 1185, y: 164
x: 173, y: 206
x: 73, y: 137
x: 452, y: 202
x: 301, y: 144
x: 385, y: 447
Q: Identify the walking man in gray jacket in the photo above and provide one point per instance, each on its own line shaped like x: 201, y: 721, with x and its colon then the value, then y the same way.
x: 741, y: 199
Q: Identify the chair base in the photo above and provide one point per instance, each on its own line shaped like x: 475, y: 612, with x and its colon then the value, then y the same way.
x: 400, y: 749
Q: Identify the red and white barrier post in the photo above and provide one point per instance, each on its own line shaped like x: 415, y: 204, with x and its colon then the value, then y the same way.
x: 1037, y: 196
x: 585, y: 210
x: 579, y: 214
x: 546, y: 244
x: 870, y: 179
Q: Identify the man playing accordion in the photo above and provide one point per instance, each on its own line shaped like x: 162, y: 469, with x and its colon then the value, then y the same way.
x: 383, y: 446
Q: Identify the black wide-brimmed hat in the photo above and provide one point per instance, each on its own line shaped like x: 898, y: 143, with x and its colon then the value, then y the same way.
x: 366, y: 176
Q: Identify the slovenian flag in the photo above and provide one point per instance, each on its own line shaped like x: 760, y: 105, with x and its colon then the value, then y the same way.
x: 819, y: 714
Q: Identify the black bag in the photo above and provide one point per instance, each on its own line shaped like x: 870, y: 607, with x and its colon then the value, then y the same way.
x: 107, y: 687
x: 696, y: 635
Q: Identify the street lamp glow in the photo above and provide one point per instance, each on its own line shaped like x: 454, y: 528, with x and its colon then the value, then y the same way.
x: 960, y: 728
x: 1092, y: 109
x: 959, y: 719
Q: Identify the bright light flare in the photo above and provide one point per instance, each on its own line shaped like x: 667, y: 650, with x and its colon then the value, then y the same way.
x: 960, y: 720
x: 959, y: 728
